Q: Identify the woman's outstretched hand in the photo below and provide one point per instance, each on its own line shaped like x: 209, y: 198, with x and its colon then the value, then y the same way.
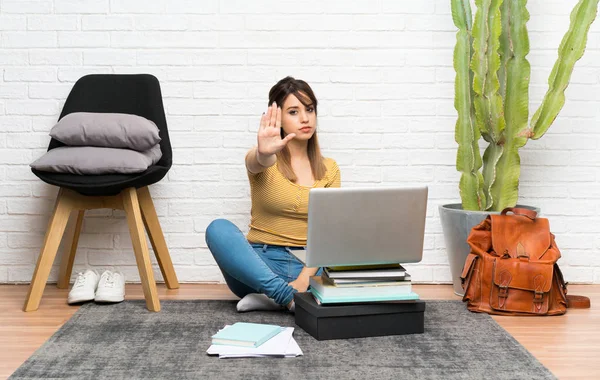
x: 269, y: 132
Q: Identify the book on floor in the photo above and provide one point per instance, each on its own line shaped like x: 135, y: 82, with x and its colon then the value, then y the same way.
x: 246, y: 334
x: 282, y: 345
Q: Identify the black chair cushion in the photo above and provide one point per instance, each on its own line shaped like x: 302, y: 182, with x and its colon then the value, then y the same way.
x: 137, y: 94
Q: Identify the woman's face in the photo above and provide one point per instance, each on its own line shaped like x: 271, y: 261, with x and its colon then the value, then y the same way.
x: 298, y: 118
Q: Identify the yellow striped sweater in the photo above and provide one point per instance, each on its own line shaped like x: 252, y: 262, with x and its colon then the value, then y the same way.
x: 279, y: 214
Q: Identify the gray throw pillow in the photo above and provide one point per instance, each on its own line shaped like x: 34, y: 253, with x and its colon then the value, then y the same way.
x: 109, y: 130
x: 89, y: 160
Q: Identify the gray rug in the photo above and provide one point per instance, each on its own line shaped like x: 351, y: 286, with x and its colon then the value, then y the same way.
x: 125, y: 341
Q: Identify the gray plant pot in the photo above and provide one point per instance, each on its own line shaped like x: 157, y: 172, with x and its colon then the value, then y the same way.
x: 457, y: 224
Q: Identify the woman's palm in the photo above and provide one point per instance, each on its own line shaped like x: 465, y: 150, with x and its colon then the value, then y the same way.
x: 269, y: 132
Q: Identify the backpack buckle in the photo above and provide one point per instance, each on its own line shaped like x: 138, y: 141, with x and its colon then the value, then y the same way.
x: 503, y: 293
x: 538, y: 296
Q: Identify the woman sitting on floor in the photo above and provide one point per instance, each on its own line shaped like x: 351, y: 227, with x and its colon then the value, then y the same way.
x: 286, y: 164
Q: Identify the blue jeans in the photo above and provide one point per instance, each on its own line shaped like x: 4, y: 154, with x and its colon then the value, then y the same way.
x: 252, y: 268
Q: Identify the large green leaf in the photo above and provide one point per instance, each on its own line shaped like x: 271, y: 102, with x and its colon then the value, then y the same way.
x: 505, y: 50
x: 468, y: 160
x: 479, y: 65
x: 491, y: 156
x: 469, y: 193
x: 485, y: 64
x: 495, y: 108
x: 489, y: 107
x: 461, y: 14
x: 504, y: 190
x: 570, y: 51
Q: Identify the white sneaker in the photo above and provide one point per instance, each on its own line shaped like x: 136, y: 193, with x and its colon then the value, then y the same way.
x: 111, y: 287
x: 84, y: 287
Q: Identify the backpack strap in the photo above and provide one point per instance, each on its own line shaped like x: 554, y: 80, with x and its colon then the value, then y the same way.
x: 578, y: 302
x: 520, y: 211
x: 575, y: 302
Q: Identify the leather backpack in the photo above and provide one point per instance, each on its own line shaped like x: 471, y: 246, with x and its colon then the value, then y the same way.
x: 512, y: 269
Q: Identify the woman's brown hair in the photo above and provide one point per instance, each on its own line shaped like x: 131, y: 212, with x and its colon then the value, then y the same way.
x: 299, y: 88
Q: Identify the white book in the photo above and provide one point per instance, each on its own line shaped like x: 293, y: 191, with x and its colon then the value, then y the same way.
x: 368, y: 273
x: 292, y: 351
x: 345, y: 282
x: 281, y: 345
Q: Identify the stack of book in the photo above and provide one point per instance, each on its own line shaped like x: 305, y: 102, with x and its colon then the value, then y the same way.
x: 243, y: 340
x: 362, y: 284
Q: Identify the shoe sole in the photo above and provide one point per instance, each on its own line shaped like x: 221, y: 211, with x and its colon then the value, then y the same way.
x: 109, y: 298
x: 80, y: 299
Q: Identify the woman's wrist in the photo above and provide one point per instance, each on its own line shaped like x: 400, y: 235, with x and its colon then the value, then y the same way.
x: 306, y: 274
x: 304, y: 278
x: 301, y: 283
x: 265, y: 160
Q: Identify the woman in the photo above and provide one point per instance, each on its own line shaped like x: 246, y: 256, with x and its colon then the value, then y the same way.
x: 282, y: 168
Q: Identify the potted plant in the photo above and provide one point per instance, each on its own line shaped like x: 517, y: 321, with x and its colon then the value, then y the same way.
x: 492, y: 99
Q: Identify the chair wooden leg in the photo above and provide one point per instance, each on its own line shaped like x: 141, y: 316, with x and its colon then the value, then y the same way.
x: 140, y: 248
x: 157, y: 238
x: 54, y: 233
x: 66, y: 264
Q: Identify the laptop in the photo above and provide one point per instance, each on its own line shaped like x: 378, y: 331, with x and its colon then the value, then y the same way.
x: 360, y: 226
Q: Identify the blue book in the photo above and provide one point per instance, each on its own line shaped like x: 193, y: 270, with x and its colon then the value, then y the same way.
x: 246, y: 334
x: 351, y: 299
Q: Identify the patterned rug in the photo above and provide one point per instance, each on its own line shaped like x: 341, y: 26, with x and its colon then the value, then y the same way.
x: 125, y: 341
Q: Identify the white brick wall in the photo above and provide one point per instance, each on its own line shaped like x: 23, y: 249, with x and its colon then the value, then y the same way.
x: 382, y: 70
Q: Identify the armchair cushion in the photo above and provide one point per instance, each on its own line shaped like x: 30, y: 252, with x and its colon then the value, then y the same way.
x: 109, y: 130
x: 89, y: 160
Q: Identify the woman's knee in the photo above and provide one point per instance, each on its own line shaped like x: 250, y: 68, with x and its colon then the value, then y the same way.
x: 217, y: 229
